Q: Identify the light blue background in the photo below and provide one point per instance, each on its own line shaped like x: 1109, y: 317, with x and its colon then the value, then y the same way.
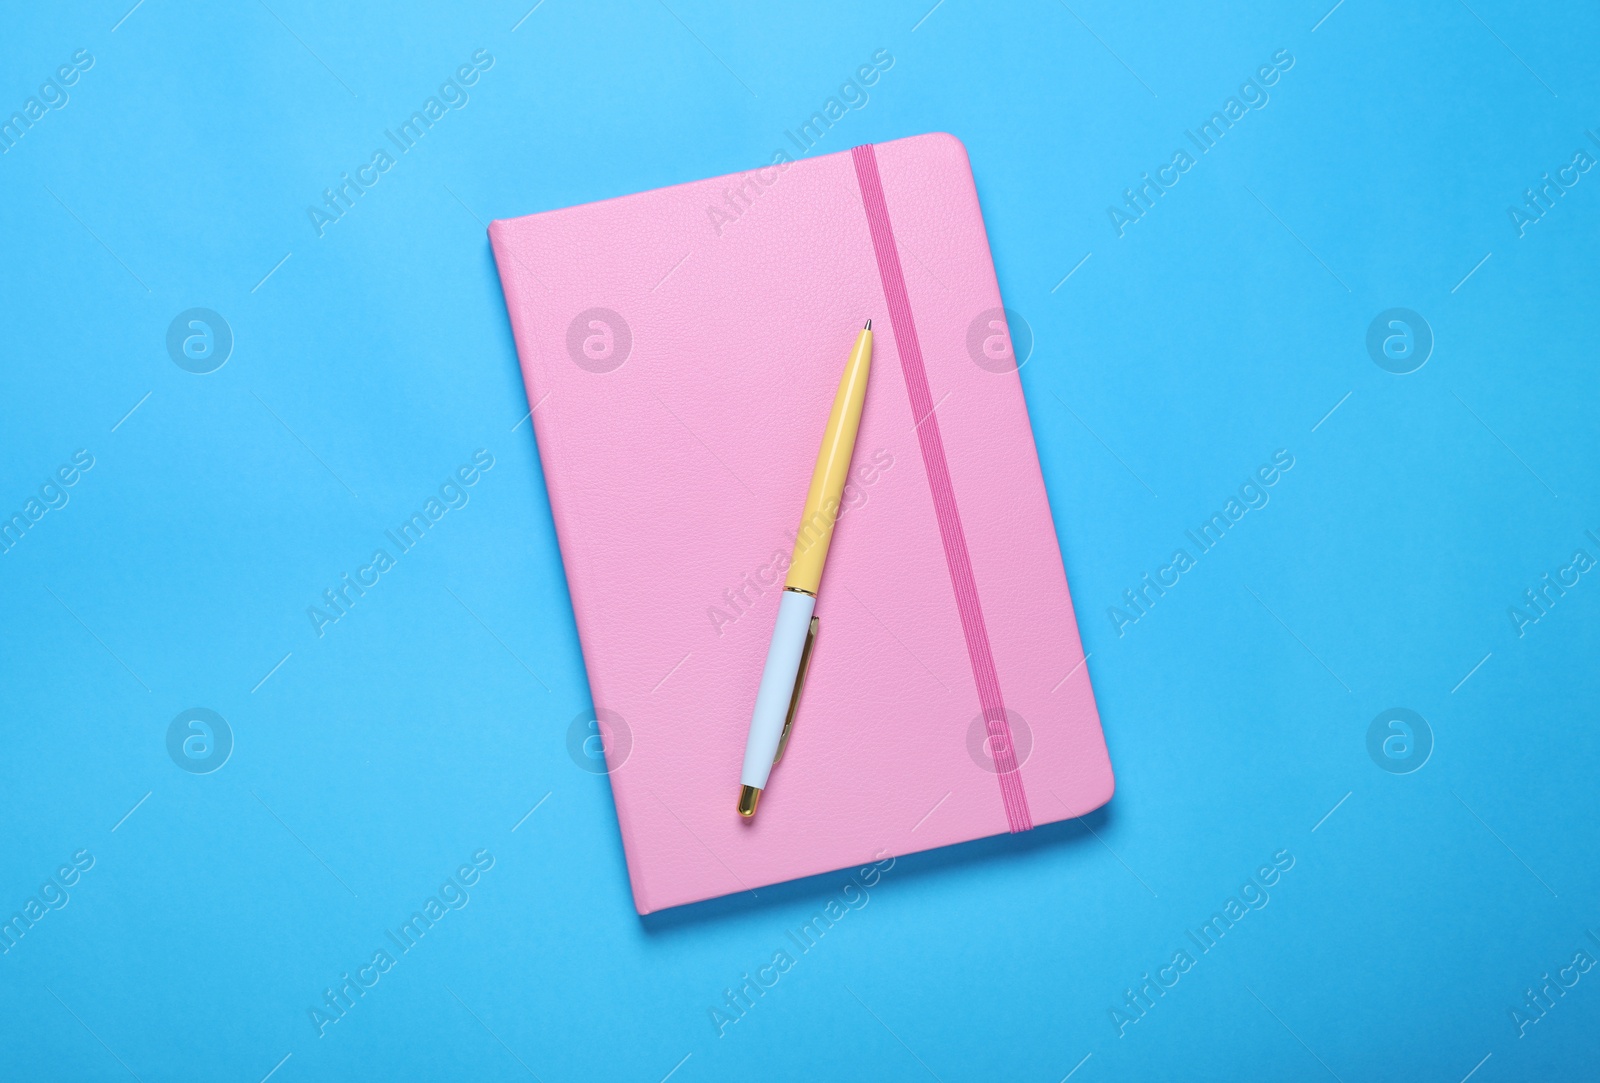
x: 425, y: 724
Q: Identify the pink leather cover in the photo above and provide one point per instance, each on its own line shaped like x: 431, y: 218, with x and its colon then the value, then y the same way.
x: 676, y: 478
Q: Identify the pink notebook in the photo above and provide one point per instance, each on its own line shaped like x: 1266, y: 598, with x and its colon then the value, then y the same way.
x: 681, y: 349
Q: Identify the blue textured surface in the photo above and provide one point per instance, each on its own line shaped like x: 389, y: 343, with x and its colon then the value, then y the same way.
x: 1228, y: 320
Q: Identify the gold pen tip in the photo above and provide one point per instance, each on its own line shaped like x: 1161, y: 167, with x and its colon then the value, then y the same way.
x: 868, y: 327
x: 749, y: 796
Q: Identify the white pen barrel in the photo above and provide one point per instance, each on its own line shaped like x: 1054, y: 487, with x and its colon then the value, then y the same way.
x: 777, y: 686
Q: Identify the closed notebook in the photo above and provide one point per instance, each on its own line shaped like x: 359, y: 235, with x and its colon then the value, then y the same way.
x: 681, y: 349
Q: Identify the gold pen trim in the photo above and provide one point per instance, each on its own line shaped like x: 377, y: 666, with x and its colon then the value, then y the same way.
x: 799, y: 684
x: 749, y: 796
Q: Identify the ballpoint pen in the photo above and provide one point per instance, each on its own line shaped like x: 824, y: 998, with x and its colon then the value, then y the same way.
x: 789, y: 656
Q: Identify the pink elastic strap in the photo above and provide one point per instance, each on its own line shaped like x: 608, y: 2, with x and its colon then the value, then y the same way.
x: 944, y: 497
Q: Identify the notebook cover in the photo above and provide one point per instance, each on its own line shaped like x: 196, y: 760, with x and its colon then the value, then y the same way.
x: 681, y: 349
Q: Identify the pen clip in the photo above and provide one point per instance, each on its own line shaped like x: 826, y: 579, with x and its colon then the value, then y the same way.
x: 799, y: 683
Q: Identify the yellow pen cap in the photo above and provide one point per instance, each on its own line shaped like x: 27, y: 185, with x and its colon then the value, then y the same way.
x: 832, y: 470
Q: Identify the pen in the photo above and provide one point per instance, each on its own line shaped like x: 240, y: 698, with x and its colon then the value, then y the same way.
x: 789, y: 656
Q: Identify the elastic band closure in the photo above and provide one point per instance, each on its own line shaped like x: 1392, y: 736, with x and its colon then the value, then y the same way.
x: 944, y: 497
